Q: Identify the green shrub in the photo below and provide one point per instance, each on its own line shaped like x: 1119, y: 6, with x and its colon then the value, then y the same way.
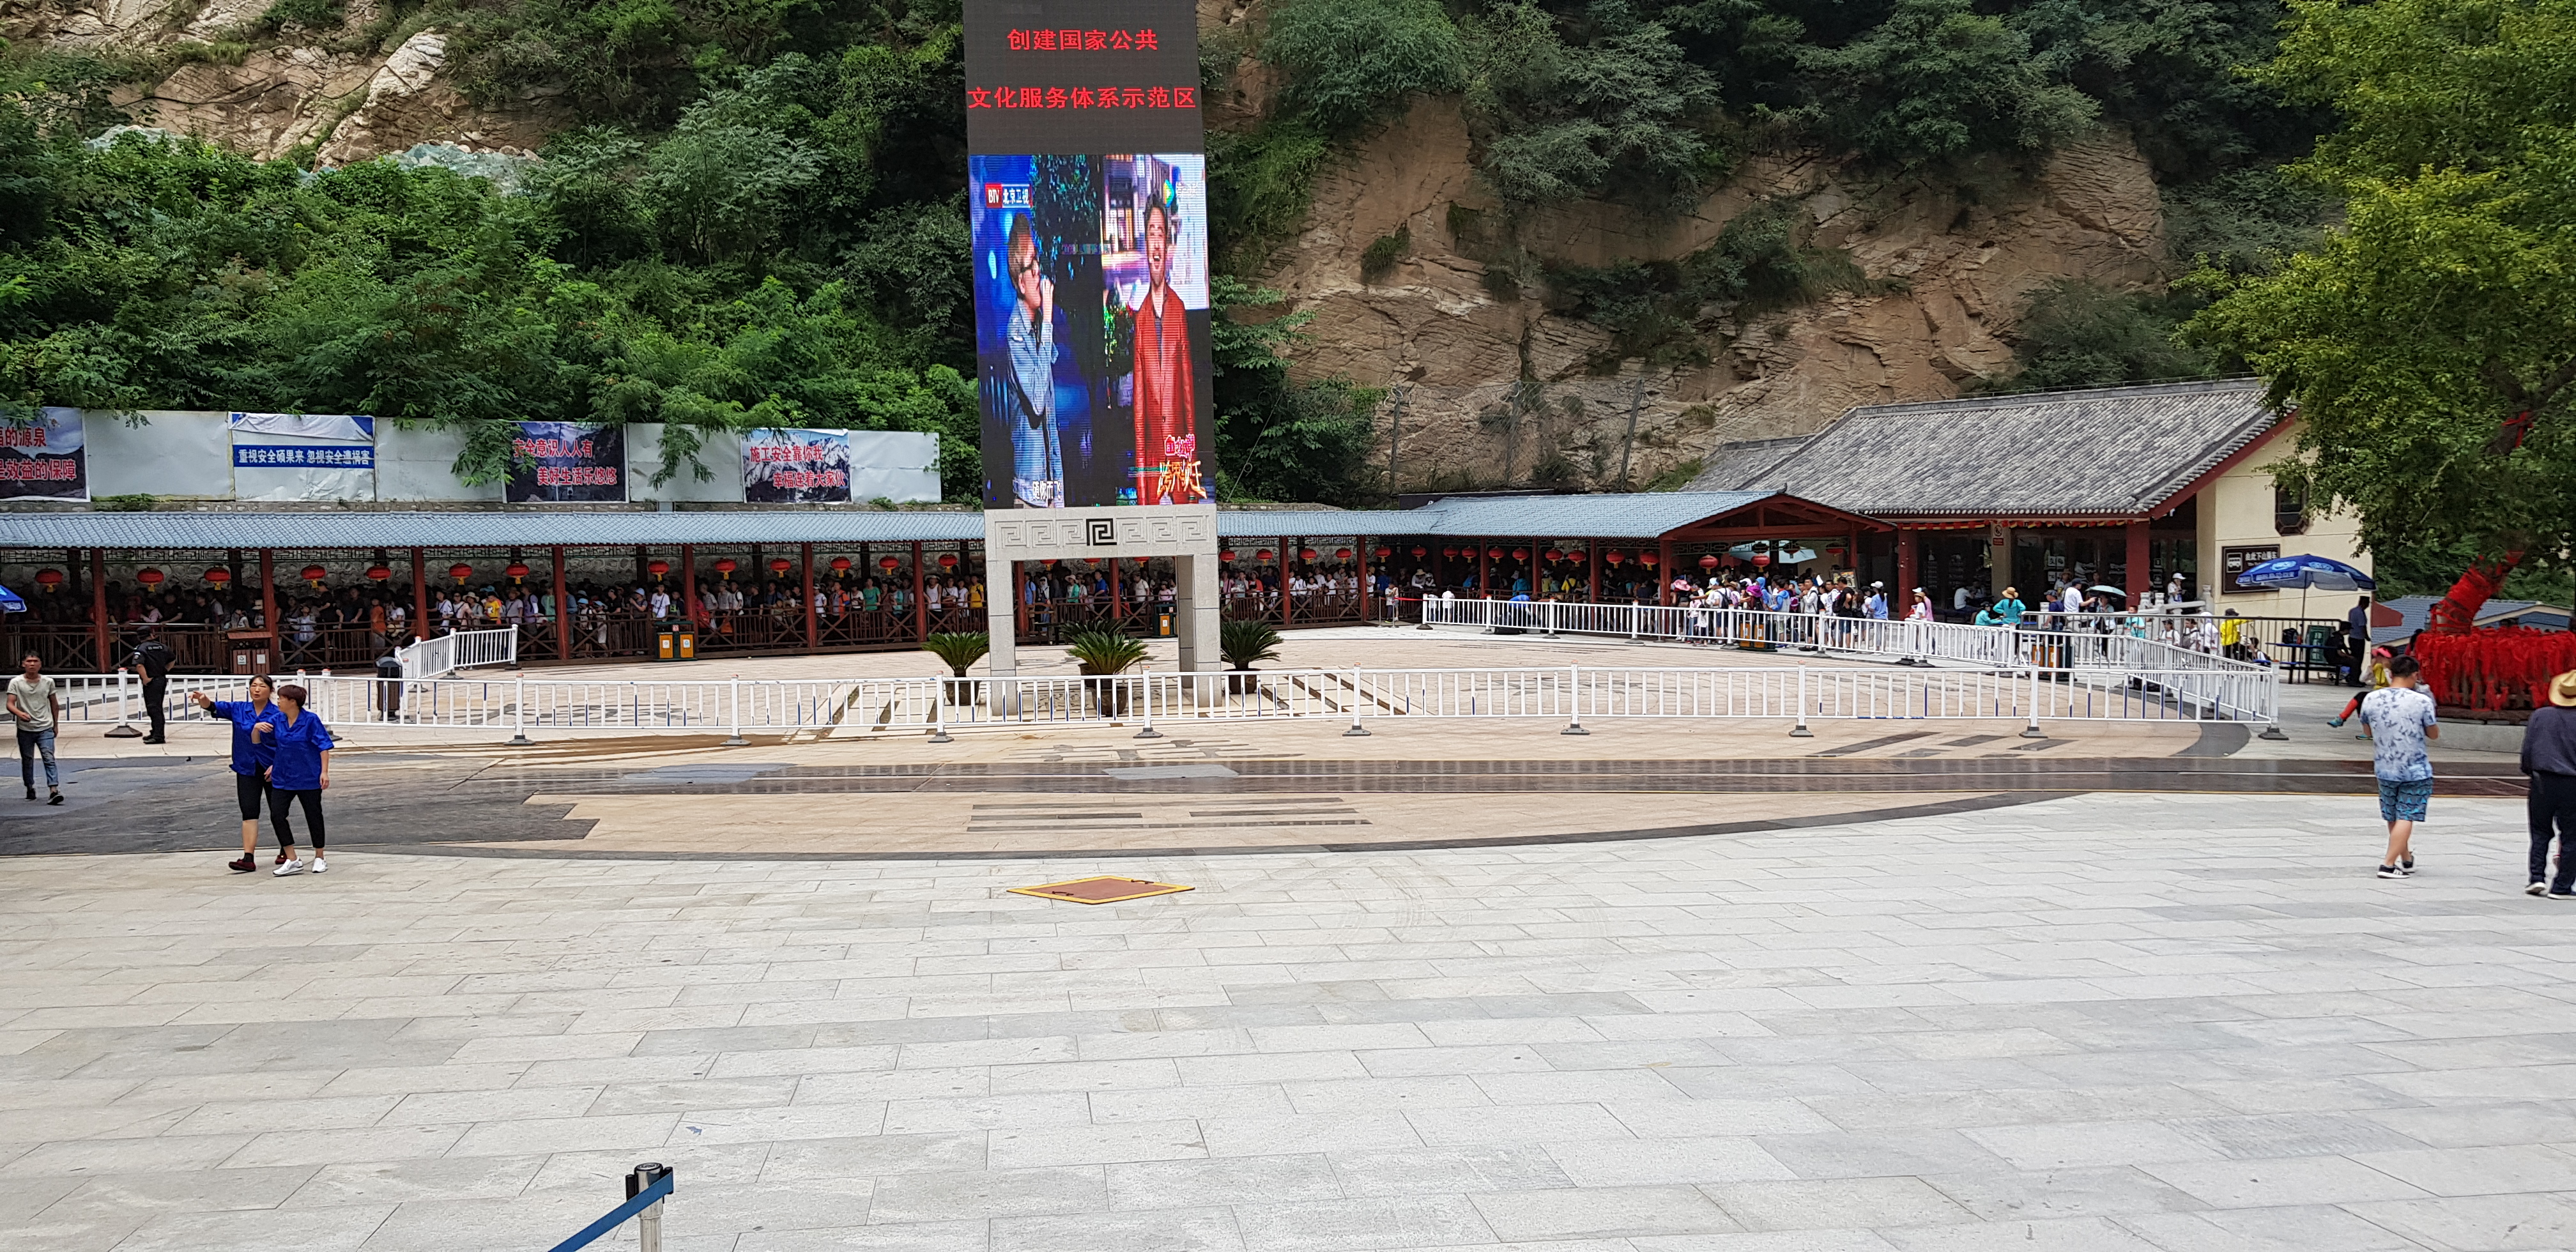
x: 2079, y: 334
x: 1379, y: 258
x: 1351, y: 63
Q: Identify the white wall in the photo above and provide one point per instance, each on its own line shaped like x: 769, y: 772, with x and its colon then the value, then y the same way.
x: 2236, y: 511
x: 172, y: 453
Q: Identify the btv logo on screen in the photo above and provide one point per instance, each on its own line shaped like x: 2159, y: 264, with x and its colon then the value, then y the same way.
x: 1006, y: 196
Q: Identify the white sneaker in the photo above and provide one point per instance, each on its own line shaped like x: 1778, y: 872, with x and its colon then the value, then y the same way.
x: 290, y: 867
x: 318, y: 866
x: 2536, y: 889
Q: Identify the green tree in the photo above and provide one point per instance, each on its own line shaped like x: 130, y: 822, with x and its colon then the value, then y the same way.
x: 2430, y: 343
x: 1616, y: 110
x: 1277, y: 439
x: 1354, y: 62
x: 1940, y: 80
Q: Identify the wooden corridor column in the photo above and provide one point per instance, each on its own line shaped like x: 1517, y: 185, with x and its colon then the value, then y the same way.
x: 563, y: 607
x: 1287, y: 574
x: 921, y: 611
x: 2139, y: 578
x: 688, y: 585
x: 1367, y: 585
x: 98, y: 606
x: 420, y: 593
x: 268, y: 602
x: 1485, y: 568
x: 813, y: 627
x: 1908, y: 560
x: 1117, y: 597
x: 1664, y: 571
x: 1592, y: 559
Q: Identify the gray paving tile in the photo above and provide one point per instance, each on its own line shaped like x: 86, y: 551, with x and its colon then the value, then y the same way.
x: 1166, y: 1230
x: 945, y: 1196
x: 1355, y: 1225
x: 1595, y: 1212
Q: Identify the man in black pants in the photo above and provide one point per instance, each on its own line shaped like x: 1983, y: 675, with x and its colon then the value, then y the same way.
x: 2549, y: 756
x: 153, y: 659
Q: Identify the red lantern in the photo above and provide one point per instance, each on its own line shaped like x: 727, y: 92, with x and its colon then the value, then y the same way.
x: 1306, y: 554
x: 1648, y: 559
x: 780, y: 565
x: 1342, y: 554
x: 1262, y: 555
x: 379, y: 572
x: 1614, y: 557
x: 887, y: 563
x: 1520, y: 554
x: 1449, y: 554
x: 1554, y: 556
x: 1574, y: 554
x: 1226, y: 556
x: 1494, y: 554
x: 148, y: 577
x: 1708, y: 562
x: 460, y: 572
x: 1836, y: 552
x: 519, y: 570
x: 726, y: 567
x: 217, y: 575
x: 1761, y: 557
x: 49, y: 578
x: 314, y: 574
x: 1420, y: 552
x: 656, y: 569
x: 947, y: 560
x: 840, y: 565
x: 1383, y: 552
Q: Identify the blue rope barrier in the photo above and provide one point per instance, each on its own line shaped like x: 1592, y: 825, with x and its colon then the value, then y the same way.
x: 661, y: 1189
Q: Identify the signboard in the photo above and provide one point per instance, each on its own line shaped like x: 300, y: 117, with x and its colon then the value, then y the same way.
x: 782, y: 465
x: 302, y: 456
x: 567, y: 463
x: 2233, y: 561
x: 46, y: 459
x: 1087, y: 209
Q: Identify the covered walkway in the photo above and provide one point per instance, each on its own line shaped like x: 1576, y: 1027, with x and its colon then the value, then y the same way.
x: 336, y: 589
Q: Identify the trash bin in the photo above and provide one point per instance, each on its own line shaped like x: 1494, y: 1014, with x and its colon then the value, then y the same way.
x: 669, y: 641
x: 688, y: 644
x: 249, y: 651
x: 1164, y: 628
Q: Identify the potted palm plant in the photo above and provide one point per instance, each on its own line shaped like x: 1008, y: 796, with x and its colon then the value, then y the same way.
x: 1102, y: 656
x: 1243, y: 641
x: 958, y: 649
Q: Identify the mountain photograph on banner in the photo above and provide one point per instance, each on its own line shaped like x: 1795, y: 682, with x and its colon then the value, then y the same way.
x: 567, y: 463
x: 790, y: 465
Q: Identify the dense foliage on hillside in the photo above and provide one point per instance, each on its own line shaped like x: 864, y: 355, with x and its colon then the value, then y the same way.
x: 759, y: 219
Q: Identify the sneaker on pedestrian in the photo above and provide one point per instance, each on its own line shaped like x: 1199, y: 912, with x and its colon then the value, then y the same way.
x: 284, y: 856
x: 2407, y: 864
x: 290, y: 867
x: 2562, y: 895
x: 58, y: 798
x: 246, y: 865
x: 2385, y: 871
x: 31, y: 793
x: 318, y: 867
x: 2334, y: 721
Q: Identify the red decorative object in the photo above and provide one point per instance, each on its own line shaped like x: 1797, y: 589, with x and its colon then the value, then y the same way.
x: 655, y: 568
x: 1449, y: 553
x: 1554, y: 555
x: 1306, y: 554
x: 1708, y: 562
x: 1615, y: 557
x: 1262, y: 555
x: 379, y: 572
x: 1383, y: 552
x: 1420, y: 552
x: 148, y: 577
x: 1648, y: 559
x: 314, y: 574
x: 1520, y: 554
x: 780, y: 565
x: 947, y: 560
x: 519, y: 570
x: 1226, y: 556
x: 841, y: 565
x: 2494, y: 669
x: 1341, y: 554
x: 217, y: 575
x: 887, y: 563
x: 1494, y: 553
x: 1574, y: 554
x: 460, y: 572
x: 52, y: 578
x: 1761, y: 557
x: 726, y: 567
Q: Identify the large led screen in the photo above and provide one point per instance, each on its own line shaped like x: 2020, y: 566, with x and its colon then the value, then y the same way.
x: 1087, y: 201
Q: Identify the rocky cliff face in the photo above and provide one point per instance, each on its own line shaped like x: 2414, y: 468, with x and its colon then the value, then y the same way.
x: 308, y: 87
x: 1488, y: 386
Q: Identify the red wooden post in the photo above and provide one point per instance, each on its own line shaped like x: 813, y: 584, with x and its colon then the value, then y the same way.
x: 1484, y: 569
x: 1908, y: 558
x: 563, y: 606
x: 1592, y: 557
x: 813, y: 627
x: 1366, y: 587
x: 920, y: 611
x: 268, y: 601
x: 420, y: 594
x: 2139, y: 576
x: 1287, y: 572
x: 1117, y: 594
x: 688, y: 583
x: 98, y: 607
x: 1664, y: 571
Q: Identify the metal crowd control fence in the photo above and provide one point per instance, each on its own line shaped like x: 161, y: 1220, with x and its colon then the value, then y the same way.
x: 648, y: 1189
x: 465, y: 649
x: 520, y: 707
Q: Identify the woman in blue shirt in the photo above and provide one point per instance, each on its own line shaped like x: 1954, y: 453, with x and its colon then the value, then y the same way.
x: 250, y: 762
x: 300, y: 772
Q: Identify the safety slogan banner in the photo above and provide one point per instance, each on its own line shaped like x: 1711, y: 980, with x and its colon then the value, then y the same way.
x: 46, y: 459
x: 302, y: 456
x: 1087, y: 207
x: 567, y: 463
x: 794, y: 466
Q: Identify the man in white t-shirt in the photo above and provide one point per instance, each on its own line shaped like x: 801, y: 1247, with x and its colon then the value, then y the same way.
x: 36, y: 705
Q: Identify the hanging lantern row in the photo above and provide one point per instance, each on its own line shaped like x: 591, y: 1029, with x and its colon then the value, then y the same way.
x: 840, y: 565
x: 217, y: 575
x: 947, y: 560
x: 518, y: 570
x: 460, y: 572
x: 49, y: 579
x: 726, y: 567
x: 888, y: 564
x: 780, y: 565
x: 379, y: 572
x: 148, y: 577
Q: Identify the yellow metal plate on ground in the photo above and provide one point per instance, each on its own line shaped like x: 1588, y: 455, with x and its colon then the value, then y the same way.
x: 1103, y: 890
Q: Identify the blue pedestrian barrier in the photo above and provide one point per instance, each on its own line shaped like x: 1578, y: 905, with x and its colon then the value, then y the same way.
x: 646, y: 1188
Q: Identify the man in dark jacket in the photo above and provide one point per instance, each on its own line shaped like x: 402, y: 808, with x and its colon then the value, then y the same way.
x: 152, y: 659
x: 2549, y: 756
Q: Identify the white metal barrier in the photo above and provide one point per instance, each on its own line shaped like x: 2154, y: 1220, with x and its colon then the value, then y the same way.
x: 519, y: 707
x: 465, y: 649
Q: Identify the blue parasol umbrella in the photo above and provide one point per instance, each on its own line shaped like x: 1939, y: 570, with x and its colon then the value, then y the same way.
x: 2307, y: 573
x: 10, y: 602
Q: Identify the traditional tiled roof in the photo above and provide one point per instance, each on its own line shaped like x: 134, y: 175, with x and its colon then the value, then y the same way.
x: 2111, y: 450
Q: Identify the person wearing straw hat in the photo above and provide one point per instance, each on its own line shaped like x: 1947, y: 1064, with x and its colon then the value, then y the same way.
x: 2549, y: 757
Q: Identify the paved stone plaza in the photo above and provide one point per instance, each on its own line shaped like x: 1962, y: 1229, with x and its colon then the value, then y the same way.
x: 2091, y: 1023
